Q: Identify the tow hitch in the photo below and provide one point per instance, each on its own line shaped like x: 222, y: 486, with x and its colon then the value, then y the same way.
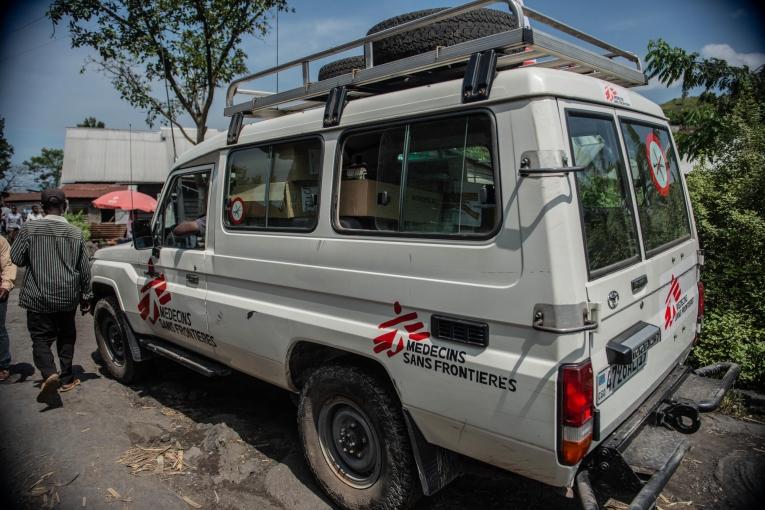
x: 635, y: 462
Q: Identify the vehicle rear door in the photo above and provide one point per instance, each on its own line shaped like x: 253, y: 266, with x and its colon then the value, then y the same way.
x: 640, y: 253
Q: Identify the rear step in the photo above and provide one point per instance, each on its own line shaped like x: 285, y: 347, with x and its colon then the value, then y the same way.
x: 188, y: 359
x: 637, y: 459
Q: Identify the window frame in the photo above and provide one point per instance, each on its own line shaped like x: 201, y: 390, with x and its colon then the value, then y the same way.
x: 406, y: 122
x: 666, y: 246
x: 227, y: 227
x: 159, y: 217
x: 637, y: 258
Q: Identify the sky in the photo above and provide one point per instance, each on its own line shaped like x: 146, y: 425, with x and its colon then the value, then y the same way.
x: 43, y: 91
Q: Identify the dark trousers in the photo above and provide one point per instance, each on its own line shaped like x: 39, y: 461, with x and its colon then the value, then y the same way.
x: 5, y: 345
x: 46, y: 328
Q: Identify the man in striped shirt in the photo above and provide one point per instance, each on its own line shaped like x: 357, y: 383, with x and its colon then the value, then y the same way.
x: 56, y: 281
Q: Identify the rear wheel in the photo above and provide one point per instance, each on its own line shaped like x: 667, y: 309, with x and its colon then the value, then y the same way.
x: 111, y: 337
x: 355, y: 439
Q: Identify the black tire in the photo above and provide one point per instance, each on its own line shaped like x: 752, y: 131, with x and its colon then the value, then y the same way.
x: 112, y: 341
x: 457, y: 29
x: 339, y: 67
x: 361, y: 413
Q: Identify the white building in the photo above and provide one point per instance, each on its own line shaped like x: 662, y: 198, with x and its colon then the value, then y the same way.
x: 120, y: 156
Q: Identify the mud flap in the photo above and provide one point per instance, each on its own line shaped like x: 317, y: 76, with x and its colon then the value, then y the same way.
x: 436, y: 466
x: 635, y: 462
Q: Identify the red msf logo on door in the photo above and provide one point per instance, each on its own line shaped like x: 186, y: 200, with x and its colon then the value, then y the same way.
x: 673, y: 298
x: 392, y: 341
x: 153, y: 294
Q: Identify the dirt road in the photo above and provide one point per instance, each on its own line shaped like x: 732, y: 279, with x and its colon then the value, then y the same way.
x: 239, y: 442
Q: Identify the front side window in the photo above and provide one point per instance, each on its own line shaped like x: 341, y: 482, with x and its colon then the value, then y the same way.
x: 274, y: 187
x: 185, y: 206
x: 609, y: 227
x: 432, y: 177
x: 655, y: 176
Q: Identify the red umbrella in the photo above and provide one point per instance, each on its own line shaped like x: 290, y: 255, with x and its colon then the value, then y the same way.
x: 127, y: 200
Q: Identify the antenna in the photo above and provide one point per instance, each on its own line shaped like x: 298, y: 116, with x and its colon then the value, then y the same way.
x: 130, y: 158
x: 277, y: 47
x: 169, y: 107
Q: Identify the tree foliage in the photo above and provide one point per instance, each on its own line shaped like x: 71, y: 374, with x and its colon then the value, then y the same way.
x: 46, y: 167
x: 6, y: 151
x: 190, y: 47
x: 726, y: 132
x: 704, y: 130
x: 91, y: 122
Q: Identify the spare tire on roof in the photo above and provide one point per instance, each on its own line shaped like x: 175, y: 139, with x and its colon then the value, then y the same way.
x: 464, y: 27
x: 342, y: 66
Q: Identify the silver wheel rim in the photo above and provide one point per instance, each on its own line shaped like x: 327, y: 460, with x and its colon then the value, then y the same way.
x: 349, y: 442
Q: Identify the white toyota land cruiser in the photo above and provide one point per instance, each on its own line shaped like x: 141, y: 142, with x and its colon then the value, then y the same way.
x: 478, y: 246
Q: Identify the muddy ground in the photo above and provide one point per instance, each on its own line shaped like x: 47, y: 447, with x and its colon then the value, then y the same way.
x: 240, y: 450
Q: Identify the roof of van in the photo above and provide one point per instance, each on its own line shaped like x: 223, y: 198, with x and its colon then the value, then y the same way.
x: 509, y: 85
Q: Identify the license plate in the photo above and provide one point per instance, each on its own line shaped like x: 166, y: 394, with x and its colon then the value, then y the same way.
x: 613, y: 377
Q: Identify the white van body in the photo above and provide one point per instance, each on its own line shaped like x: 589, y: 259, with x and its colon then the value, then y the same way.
x: 251, y: 300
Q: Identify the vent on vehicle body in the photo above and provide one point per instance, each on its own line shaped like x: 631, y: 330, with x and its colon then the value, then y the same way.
x: 459, y: 330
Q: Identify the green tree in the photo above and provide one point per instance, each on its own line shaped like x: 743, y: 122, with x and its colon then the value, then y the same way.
x: 46, y: 167
x: 188, y: 47
x: 6, y: 151
x: 725, y: 133
x: 91, y: 122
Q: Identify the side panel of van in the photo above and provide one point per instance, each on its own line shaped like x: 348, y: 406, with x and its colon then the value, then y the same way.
x: 269, y: 290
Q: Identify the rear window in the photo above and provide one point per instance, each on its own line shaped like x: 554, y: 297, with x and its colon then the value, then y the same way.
x: 609, y: 226
x: 423, y: 178
x: 655, y: 176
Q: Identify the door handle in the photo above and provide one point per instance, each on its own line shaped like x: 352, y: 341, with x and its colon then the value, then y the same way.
x: 192, y: 279
x: 638, y: 283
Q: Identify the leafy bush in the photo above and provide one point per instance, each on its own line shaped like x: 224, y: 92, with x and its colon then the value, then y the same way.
x: 724, y: 130
x: 79, y: 220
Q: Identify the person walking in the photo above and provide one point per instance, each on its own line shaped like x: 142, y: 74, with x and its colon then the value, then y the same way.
x: 8, y: 277
x: 35, y: 214
x: 57, y: 280
x: 13, y: 222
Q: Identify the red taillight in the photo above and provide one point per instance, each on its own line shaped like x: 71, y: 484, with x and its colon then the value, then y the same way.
x: 576, y: 408
x: 700, y: 313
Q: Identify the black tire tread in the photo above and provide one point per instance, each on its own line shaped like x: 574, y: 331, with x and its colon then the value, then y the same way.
x: 340, y: 67
x: 372, y: 391
x: 461, y: 28
x: 131, y: 371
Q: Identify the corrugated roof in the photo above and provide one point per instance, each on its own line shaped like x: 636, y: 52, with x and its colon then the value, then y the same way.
x: 72, y: 191
x: 95, y: 155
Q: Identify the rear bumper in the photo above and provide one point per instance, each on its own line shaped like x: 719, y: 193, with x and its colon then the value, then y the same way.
x: 638, y: 459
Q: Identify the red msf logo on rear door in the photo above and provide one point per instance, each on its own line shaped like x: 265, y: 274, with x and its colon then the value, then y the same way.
x: 153, y: 294
x: 673, y: 297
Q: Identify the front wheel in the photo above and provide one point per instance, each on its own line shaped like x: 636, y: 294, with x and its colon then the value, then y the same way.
x: 111, y: 337
x: 355, y: 440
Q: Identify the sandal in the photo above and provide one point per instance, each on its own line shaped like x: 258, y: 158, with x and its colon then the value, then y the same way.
x: 48, y: 389
x: 69, y: 386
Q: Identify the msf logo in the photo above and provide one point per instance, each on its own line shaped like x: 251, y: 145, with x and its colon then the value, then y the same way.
x: 153, y: 294
x: 392, y: 341
x: 670, y: 311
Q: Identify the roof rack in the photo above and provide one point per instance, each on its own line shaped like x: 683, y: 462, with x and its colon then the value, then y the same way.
x: 514, y: 47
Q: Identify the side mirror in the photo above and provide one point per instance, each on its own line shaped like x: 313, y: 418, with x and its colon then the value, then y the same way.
x: 142, y: 237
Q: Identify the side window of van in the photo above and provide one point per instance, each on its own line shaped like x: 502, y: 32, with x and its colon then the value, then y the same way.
x: 432, y: 177
x: 610, y: 233
x: 274, y: 187
x: 655, y: 176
